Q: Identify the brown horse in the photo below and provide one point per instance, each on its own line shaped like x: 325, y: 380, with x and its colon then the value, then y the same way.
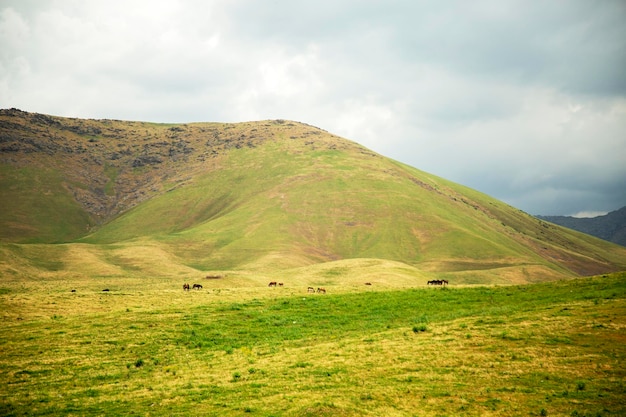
x: 311, y: 289
x: 272, y: 284
x: 321, y: 290
x: 185, y: 287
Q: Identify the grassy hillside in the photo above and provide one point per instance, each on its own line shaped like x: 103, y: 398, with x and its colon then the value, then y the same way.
x: 37, y: 207
x: 147, y: 347
x: 270, y: 198
x: 293, y: 209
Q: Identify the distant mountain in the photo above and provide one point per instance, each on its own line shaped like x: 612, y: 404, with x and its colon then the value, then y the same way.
x: 111, y: 198
x: 611, y: 227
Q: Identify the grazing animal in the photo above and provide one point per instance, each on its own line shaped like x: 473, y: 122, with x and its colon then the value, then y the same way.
x: 321, y: 290
x: 280, y: 284
x: 197, y: 286
x: 272, y: 284
x: 311, y: 289
x: 73, y: 290
x: 368, y: 283
x: 185, y: 287
x: 444, y: 281
x: 105, y: 290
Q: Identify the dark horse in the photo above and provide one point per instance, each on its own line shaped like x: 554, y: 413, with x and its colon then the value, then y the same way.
x: 272, y: 284
x: 197, y: 286
x: 185, y: 287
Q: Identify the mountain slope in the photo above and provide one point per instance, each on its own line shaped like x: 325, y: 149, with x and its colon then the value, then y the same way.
x: 611, y: 226
x: 270, y: 197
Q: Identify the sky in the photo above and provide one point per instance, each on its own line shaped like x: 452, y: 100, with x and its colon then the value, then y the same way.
x: 522, y: 100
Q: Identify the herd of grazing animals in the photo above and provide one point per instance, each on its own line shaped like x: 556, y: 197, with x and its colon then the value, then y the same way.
x: 310, y: 289
x: 319, y: 290
x: 186, y: 287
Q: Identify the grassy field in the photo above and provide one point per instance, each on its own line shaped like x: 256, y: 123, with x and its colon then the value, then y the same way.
x: 145, y: 347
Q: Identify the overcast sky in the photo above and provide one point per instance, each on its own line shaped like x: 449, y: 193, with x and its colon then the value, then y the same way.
x: 522, y: 100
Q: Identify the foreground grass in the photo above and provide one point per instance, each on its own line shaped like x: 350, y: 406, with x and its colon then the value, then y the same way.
x: 544, y: 349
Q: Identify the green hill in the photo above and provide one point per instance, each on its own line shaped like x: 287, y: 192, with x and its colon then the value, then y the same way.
x: 256, y: 200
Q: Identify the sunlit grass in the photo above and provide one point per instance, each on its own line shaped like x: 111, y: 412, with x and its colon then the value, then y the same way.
x: 148, y: 347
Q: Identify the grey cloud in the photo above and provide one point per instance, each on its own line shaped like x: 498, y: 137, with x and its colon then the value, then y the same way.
x: 579, y: 46
x: 525, y: 101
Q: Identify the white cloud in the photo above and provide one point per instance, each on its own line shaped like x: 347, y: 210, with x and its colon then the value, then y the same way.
x: 589, y: 214
x: 366, y: 120
x: 279, y: 81
x: 524, y: 101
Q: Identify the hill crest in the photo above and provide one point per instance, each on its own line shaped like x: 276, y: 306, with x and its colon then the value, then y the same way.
x: 109, y: 166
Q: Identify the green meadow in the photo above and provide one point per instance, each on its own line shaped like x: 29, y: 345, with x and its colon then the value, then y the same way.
x: 146, y: 347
